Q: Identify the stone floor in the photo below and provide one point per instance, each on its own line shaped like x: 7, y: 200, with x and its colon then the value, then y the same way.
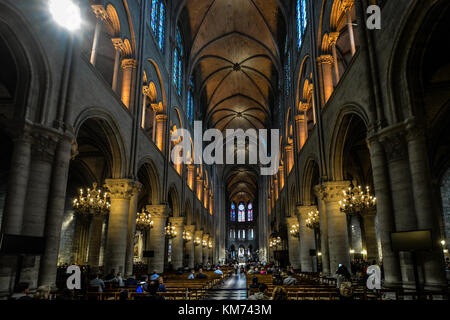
x: 234, y: 288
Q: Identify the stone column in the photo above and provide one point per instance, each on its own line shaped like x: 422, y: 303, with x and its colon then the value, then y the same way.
x: 302, y: 135
x: 326, y: 70
x: 293, y: 244
x: 307, y: 241
x: 199, y: 189
x: 55, y: 212
x: 348, y: 5
x: 14, y: 205
x: 391, y: 266
x: 433, y: 261
x: 132, y: 228
x: 324, y: 250
x: 332, y: 193
x: 157, y: 236
x: 36, y: 201
x: 161, y: 123
x: 101, y: 15
x: 198, y: 248
x: 402, y: 197
x: 370, y: 238
x: 333, y: 37
x: 118, y: 46
x: 190, y: 246
x: 128, y: 66
x: 95, y: 241
x: 205, y: 252
x: 145, y: 95
x: 177, y: 242
x: 121, y: 191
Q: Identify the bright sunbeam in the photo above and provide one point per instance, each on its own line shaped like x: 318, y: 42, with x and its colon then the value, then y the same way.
x: 66, y: 14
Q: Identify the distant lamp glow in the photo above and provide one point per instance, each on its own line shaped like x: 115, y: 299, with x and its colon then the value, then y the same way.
x: 66, y: 14
x: 319, y: 253
x: 364, y: 252
x: 352, y: 251
x: 443, y: 242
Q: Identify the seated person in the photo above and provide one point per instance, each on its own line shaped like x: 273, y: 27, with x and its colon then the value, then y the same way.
x: 201, y: 275
x: 162, y: 287
x: 218, y: 271
x: 131, y: 281
x: 279, y: 293
x: 154, y: 276
x: 191, y: 275
x: 179, y: 271
x: 21, y: 292
x: 261, y: 294
x: 255, y: 283
x: 290, y: 280
x: 277, y: 279
x: 152, y: 292
x: 143, y: 285
x: 98, y: 283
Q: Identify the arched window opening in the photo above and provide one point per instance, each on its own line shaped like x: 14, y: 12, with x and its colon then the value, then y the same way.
x: 178, y: 63
x: 158, y: 22
x: 233, y: 212
x: 250, y: 212
x: 241, y: 212
x: 302, y: 21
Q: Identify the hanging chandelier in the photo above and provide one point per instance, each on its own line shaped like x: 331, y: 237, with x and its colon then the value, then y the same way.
x: 274, y: 242
x: 204, y: 243
x: 356, y: 200
x: 144, y: 220
x: 170, y: 231
x: 186, y: 236
x: 312, y: 222
x: 210, y: 245
x: 92, y: 201
x: 197, y: 241
x: 295, y: 232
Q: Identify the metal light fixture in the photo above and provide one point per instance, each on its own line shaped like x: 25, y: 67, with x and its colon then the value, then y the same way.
x: 170, y: 231
x: 186, y: 236
x: 92, y: 201
x: 274, y: 242
x: 356, y: 199
x: 210, y: 245
x: 204, y: 243
x: 197, y: 241
x: 312, y: 222
x: 295, y: 232
x: 144, y: 220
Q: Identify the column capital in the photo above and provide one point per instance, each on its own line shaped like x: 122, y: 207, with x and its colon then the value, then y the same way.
x: 190, y: 229
x: 290, y: 221
x: 333, y: 37
x: 300, y: 118
x: 177, y: 221
x: 159, y: 211
x: 304, y: 210
x: 331, y: 190
x: 122, y: 188
x: 325, y: 59
x: 161, y: 117
x: 118, y: 43
x: 129, y: 64
x: 43, y: 145
x: 99, y: 11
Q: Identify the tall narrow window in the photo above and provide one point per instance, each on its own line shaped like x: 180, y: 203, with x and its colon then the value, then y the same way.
x: 241, y: 212
x: 190, y: 102
x: 250, y: 234
x: 249, y: 212
x: 158, y: 22
x: 178, y: 63
x: 233, y: 212
x: 302, y: 21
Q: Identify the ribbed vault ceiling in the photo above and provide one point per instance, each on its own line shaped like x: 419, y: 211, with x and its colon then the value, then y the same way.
x: 235, y: 54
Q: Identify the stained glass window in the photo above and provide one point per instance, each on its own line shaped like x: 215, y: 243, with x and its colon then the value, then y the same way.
x: 302, y: 21
x: 178, y: 63
x: 241, y: 212
x: 250, y: 212
x: 233, y: 212
x: 287, y: 71
x: 250, y: 234
x: 158, y: 22
x: 190, y: 101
